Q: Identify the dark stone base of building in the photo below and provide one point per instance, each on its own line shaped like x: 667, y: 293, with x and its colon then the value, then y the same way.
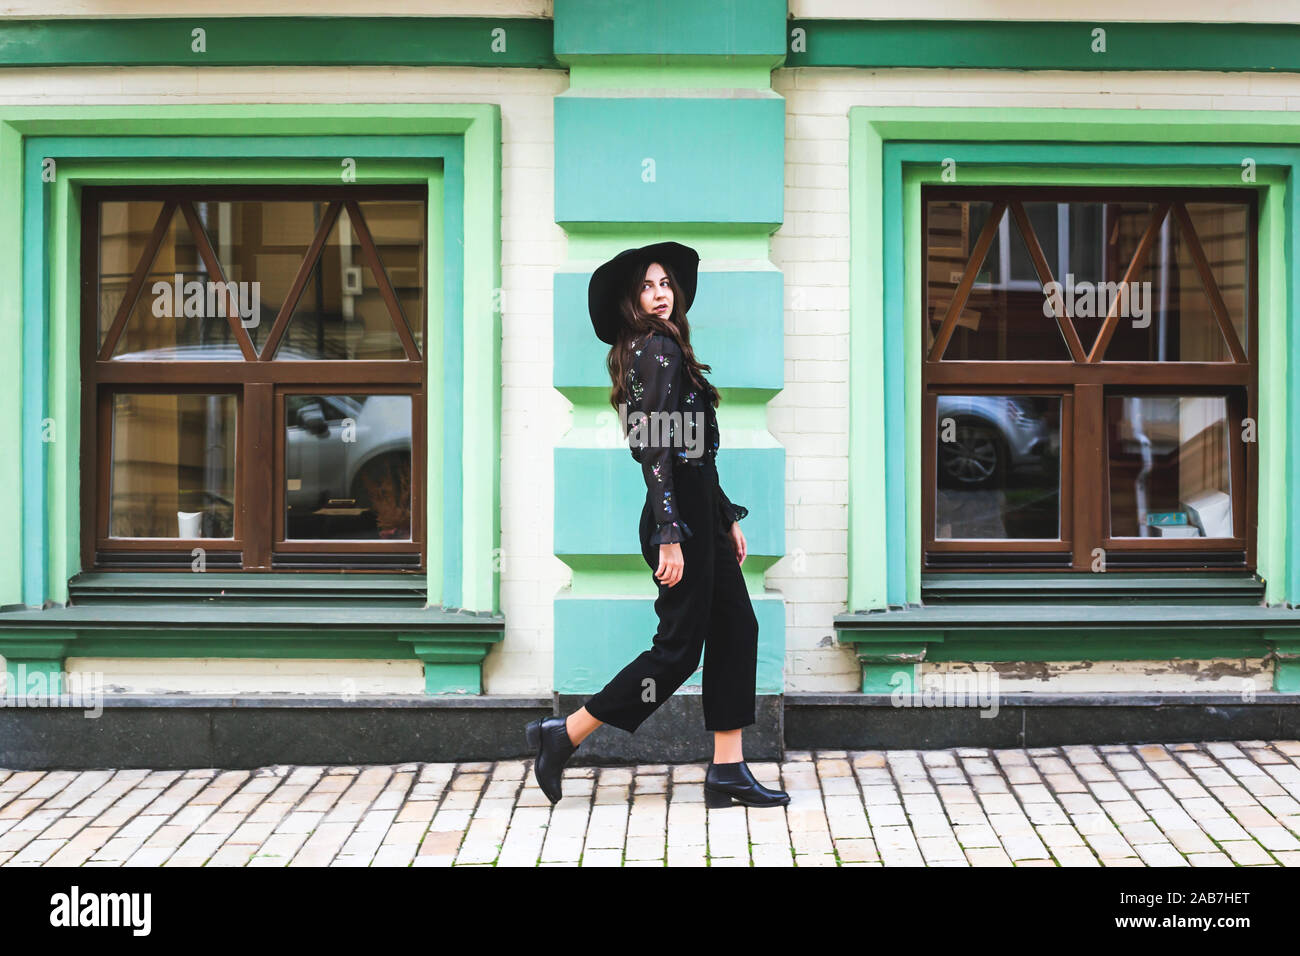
x: 184, y: 731
x: 872, y: 722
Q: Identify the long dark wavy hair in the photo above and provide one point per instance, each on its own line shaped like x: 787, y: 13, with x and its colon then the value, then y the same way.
x: 637, y: 326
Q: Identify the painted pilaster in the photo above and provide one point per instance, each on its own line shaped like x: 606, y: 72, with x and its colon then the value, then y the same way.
x: 669, y: 130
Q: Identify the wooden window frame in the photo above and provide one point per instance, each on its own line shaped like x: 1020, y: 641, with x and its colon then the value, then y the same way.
x: 1086, y: 379
x: 259, y: 384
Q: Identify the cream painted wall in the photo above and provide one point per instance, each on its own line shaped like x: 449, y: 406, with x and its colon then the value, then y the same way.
x: 812, y: 247
x: 809, y: 416
x: 534, y: 415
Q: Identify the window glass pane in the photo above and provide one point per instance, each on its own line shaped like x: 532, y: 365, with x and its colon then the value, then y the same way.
x: 1170, y: 317
x: 342, y: 314
x: 348, y: 467
x: 1222, y: 229
x: 1170, y: 471
x: 998, y: 466
x: 398, y: 231
x: 180, y: 312
x: 1003, y: 318
x: 260, y: 245
x: 173, y: 466
x: 124, y: 229
x: 1078, y: 263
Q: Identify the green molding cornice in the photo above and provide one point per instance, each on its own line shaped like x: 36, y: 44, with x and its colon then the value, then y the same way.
x: 280, y: 41
x: 1044, y: 45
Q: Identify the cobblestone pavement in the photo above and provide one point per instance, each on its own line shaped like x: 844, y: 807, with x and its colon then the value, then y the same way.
x: 1207, y: 804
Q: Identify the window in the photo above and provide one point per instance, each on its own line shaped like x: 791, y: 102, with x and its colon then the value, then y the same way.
x: 253, y: 378
x: 1089, y: 378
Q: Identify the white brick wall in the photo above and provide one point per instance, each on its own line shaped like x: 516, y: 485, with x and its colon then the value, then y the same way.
x: 809, y: 416
x: 533, y: 247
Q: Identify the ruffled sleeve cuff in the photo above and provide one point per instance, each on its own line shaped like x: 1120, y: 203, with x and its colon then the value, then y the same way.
x: 736, y: 511
x: 670, y: 532
x: 729, y: 511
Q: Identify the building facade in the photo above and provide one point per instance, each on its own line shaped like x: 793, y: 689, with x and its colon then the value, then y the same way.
x: 311, y: 453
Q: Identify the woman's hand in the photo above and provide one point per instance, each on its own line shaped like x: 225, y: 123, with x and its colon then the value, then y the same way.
x: 671, y: 563
x: 738, y: 542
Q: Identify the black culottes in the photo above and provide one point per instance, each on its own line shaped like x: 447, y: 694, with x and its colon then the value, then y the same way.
x: 707, y: 610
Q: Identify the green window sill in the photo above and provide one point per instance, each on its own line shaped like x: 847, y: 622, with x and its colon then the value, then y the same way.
x: 128, y: 587
x: 370, y: 616
x: 1155, y: 588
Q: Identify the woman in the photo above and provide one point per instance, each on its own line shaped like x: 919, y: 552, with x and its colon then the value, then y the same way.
x: 690, y: 532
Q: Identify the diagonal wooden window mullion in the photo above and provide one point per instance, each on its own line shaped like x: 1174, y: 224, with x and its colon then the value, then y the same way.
x: 136, y: 282
x: 385, y: 287
x: 1217, y: 304
x: 1045, y: 276
x: 1135, y: 267
x: 214, y: 269
x: 962, y: 292
x: 300, y: 280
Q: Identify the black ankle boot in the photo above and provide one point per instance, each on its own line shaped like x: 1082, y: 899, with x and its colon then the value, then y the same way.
x: 728, y: 783
x: 548, y: 737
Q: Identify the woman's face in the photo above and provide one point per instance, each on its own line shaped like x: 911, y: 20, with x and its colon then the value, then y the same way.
x: 656, y: 293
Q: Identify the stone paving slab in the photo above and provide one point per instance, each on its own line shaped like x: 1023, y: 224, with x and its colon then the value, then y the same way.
x: 1189, y: 804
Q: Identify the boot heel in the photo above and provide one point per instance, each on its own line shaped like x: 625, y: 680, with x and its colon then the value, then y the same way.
x: 716, y: 799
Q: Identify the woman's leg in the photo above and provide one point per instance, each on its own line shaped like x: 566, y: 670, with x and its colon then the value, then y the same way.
x: 727, y: 747
x: 579, y: 724
x: 684, y: 614
x: 730, y: 654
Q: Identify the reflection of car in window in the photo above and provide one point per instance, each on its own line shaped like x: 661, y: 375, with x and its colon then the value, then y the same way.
x: 993, y: 435
x: 339, y: 446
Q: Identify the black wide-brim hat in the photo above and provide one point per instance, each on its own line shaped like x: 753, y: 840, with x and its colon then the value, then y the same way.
x: 609, y: 283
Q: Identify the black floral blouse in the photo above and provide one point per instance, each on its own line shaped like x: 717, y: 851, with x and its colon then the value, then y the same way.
x: 657, y: 382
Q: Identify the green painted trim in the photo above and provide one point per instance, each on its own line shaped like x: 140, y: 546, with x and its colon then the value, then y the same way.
x: 1272, y: 323
x: 473, y: 209
x: 254, y: 614
x: 20, y: 671
x: 118, y: 587
x: 722, y: 163
x: 885, y: 677
x: 880, y: 374
x: 280, y: 41
x: 1043, y: 45
x: 450, y: 667
x: 671, y: 72
x: 597, y: 636
x: 1286, y: 664
x: 600, y: 495
x: 669, y: 27
x: 594, y: 242
x: 1286, y: 676
x: 64, y: 378
x: 868, y: 542
x: 1138, y: 588
x: 480, y: 386
x: 11, y: 361
x: 1272, y: 327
